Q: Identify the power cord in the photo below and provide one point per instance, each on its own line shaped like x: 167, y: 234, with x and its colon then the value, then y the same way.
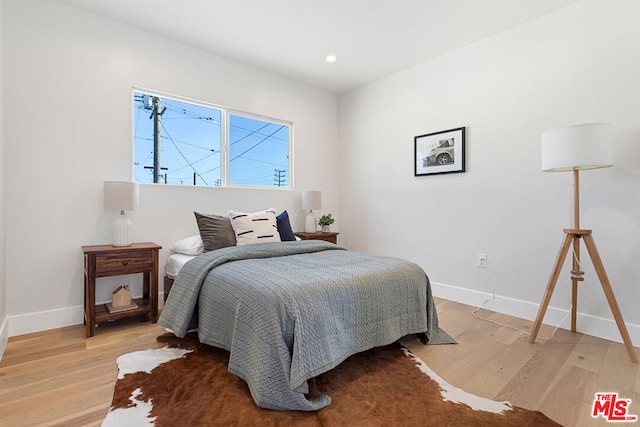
x: 493, y: 293
x: 493, y: 297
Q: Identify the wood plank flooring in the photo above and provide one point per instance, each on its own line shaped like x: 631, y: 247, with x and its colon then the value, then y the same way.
x: 61, y: 378
x: 558, y: 377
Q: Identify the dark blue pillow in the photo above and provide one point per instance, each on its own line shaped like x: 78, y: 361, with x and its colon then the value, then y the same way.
x: 284, y: 227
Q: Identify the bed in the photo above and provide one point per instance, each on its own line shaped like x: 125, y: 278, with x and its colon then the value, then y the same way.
x: 289, y: 311
x: 174, y: 264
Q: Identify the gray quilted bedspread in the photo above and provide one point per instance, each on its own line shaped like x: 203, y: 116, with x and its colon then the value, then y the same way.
x: 290, y: 311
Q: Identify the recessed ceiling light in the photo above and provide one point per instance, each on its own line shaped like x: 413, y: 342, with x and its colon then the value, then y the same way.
x: 331, y: 58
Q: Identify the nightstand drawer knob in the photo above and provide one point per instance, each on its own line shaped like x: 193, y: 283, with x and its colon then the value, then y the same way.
x: 125, y: 262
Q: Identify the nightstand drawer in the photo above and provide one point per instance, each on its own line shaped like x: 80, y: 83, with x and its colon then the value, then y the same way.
x: 327, y: 236
x: 123, y: 263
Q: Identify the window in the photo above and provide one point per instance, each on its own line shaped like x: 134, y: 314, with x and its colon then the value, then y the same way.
x: 258, y: 152
x: 186, y: 143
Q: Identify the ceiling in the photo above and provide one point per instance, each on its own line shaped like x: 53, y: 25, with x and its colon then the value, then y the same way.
x: 370, y: 38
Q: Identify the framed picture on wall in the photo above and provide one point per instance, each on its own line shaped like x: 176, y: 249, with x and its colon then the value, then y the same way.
x: 439, y: 152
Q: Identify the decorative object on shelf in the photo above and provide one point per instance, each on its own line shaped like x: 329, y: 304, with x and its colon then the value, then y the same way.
x: 121, y: 196
x: 311, y: 200
x: 325, y: 222
x: 121, y: 296
x: 121, y: 300
x: 574, y: 148
x: 439, y: 152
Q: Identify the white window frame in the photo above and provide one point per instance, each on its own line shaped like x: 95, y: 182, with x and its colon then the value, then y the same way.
x: 224, y: 139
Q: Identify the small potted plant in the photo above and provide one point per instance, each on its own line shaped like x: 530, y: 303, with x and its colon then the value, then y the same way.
x: 325, y: 222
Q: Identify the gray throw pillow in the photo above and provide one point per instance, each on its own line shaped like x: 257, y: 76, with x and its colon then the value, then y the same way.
x: 216, y: 231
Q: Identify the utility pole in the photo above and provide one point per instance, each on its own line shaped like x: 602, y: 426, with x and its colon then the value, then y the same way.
x: 279, y: 177
x: 157, y: 115
x: 162, y: 169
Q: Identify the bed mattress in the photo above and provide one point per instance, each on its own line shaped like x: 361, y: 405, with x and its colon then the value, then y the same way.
x: 175, y: 262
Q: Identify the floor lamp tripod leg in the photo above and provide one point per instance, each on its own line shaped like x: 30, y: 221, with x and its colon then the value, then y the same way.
x: 557, y: 268
x: 574, y: 303
x: 608, y: 291
x: 576, y: 277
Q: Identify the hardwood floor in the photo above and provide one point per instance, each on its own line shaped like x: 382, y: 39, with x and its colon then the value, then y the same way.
x: 61, y: 378
x: 558, y: 377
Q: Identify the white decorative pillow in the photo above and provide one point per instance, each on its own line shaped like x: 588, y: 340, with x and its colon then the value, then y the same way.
x: 189, y: 245
x: 256, y: 227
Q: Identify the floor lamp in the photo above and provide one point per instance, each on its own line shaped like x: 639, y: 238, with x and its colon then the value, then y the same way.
x: 575, y: 148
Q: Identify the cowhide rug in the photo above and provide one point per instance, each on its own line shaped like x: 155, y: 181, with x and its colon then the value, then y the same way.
x: 187, y: 384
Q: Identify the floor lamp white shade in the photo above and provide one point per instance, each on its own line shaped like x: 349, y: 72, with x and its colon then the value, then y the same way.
x: 311, y: 200
x: 576, y: 148
x: 586, y: 146
x: 121, y: 196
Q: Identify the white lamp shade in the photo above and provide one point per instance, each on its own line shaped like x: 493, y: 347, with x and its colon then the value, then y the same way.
x: 120, y: 196
x: 311, y: 200
x: 586, y: 146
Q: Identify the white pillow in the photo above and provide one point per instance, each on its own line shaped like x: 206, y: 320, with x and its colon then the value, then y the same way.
x: 256, y: 227
x: 189, y: 245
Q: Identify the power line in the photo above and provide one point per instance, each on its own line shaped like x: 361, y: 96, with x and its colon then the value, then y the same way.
x: 264, y: 162
x: 193, y: 163
x: 247, y: 135
x: 258, y: 143
x: 276, y: 139
x: 183, y: 156
x: 179, y: 142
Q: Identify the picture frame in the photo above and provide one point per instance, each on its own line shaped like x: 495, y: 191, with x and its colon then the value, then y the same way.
x: 439, y: 152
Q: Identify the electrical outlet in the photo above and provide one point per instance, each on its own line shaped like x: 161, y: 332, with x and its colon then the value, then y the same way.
x: 482, y: 261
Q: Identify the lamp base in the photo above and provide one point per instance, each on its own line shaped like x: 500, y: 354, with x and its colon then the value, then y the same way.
x: 573, y: 236
x: 310, y: 223
x: 122, y: 231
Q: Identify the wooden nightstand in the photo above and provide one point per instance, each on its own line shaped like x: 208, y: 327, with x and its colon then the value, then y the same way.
x: 107, y: 260
x: 328, y: 236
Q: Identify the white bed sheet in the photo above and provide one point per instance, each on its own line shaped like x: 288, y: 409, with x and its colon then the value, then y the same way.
x: 176, y: 260
x: 175, y: 263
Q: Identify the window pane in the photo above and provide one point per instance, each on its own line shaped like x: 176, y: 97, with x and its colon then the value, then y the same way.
x: 189, y: 141
x: 258, y: 152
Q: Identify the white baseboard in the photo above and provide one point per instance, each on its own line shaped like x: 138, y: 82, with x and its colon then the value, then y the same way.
x: 4, y: 336
x: 45, y: 320
x: 586, y: 324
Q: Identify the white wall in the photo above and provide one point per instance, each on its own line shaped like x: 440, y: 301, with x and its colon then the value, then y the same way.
x: 69, y: 77
x: 4, y: 329
x: 577, y: 65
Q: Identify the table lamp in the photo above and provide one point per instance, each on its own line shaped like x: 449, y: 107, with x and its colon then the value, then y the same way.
x: 311, y: 200
x: 121, y: 196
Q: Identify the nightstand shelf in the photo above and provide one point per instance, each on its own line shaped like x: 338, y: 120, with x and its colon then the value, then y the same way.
x: 102, y: 315
x: 107, y: 260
